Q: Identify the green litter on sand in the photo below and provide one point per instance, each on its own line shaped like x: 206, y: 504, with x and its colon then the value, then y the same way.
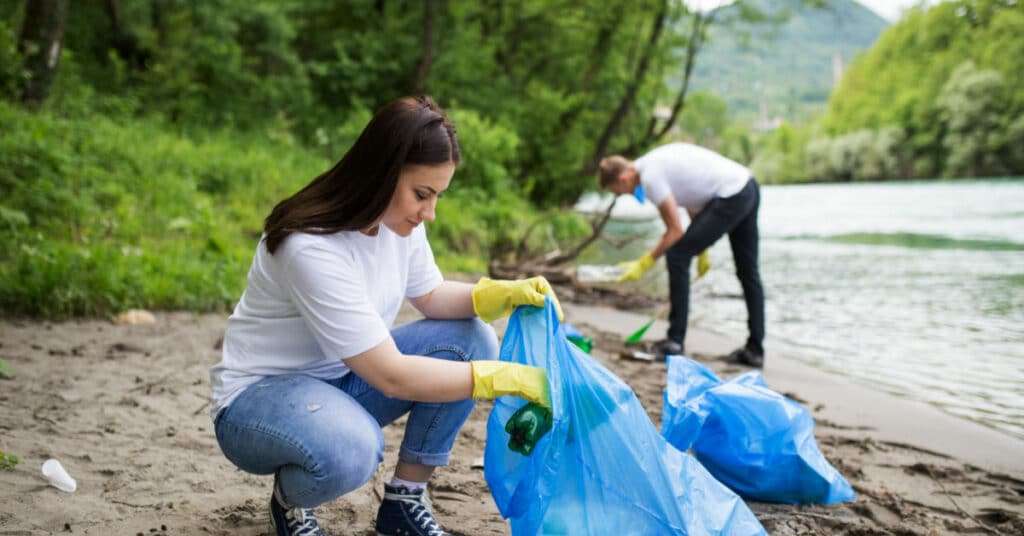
x: 8, y: 460
x: 639, y: 334
x: 6, y: 372
x: 584, y: 343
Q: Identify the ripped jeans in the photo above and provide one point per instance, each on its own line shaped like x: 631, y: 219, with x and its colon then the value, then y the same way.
x: 323, y: 438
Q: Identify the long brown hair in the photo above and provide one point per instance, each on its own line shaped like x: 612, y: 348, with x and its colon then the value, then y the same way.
x: 355, y: 192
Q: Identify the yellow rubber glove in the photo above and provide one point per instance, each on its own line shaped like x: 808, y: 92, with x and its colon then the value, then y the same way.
x: 635, y: 269
x: 703, y: 264
x: 495, y: 298
x: 492, y: 379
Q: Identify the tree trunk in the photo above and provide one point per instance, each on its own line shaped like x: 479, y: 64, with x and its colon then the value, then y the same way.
x: 124, y: 42
x: 700, y: 23
x: 113, y: 8
x: 426, y: 49
x: 42, y: 36
x: 631, y: 89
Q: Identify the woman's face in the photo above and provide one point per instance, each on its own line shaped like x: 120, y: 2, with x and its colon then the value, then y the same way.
x: 419, y: 187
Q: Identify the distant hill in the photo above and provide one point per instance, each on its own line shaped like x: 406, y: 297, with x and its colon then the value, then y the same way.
x: 790, y: 66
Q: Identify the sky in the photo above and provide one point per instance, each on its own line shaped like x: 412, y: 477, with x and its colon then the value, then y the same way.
x: 889, y: 10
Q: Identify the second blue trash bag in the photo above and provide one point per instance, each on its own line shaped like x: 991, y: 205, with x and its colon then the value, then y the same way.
x: 754, y: 440
x: 603, y: 468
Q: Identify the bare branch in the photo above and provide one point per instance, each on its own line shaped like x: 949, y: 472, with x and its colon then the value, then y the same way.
x: 597, y: 227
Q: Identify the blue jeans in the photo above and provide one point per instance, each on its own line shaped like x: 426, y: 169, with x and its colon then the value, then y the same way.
x: 323, y: 438
x: 737, y: 217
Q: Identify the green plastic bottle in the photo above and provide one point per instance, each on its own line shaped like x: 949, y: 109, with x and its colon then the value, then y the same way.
x: 526, y: 427
x: 584, y: 343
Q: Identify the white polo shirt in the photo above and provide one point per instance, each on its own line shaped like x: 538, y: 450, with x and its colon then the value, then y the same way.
x: 317, y: 301
x: 692, y: 174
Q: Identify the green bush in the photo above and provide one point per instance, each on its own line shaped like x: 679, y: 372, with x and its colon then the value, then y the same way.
x: 104, y: 215
x: 474, y: 227
x: 10, y: 62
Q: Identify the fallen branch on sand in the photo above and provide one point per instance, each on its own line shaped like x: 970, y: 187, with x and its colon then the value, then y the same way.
x: 560, y: 270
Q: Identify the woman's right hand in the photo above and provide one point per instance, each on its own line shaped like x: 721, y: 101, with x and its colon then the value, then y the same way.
x: 492, y: 379
x: 495, y: 298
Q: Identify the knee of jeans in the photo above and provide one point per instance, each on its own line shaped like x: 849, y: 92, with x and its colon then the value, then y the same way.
x: 351, y: 461
x: 481, y: 340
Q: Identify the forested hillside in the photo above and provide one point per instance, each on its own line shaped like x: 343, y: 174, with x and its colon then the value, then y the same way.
x: 786, y: 66
x: 939, y: 95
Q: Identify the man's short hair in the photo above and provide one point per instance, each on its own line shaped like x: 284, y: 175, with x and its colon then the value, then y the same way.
x: 610, y: 169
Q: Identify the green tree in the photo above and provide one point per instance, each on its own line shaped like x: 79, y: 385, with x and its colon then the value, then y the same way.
x: 705, y: 119
x: 915, y: 79
x: 972, y: 106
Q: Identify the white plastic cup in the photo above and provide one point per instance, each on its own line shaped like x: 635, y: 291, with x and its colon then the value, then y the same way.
x: 58, y: 477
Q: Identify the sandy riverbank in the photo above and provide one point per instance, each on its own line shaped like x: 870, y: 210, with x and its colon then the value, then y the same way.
x: 125, y: 409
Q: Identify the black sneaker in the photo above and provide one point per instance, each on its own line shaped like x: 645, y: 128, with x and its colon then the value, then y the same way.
x: 405, y: 512
x: 666, y: 347
x: 746, y: 356
x: 292, y: 521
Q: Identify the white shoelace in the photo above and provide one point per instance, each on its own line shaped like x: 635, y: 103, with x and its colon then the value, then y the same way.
x: 421, y: 514
x: 301, y: 522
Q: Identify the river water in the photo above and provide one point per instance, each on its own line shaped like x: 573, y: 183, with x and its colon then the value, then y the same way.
x: 914, y: 288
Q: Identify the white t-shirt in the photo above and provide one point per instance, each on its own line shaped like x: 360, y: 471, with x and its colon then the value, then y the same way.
x: 317, y: 301
x: 692, y: 174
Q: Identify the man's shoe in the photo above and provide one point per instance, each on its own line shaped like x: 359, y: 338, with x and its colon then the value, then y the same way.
x: 292, y: 521
x: 666, y: 347
x: 746, y: 356
x: 405, y: 512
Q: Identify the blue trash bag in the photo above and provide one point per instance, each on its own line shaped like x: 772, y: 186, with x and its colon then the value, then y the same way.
x: 603, y: 468
x: 580, y: 340
x: 570, y: 330
x: 754, y: 440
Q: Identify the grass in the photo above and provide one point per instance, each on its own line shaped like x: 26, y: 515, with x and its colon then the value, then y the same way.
x: 8, y: 460
x: 105, y: 214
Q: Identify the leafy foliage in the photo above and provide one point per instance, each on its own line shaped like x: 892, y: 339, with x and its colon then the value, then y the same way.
x: 8, y: 460
x: 105, y: 215
x: 10, y: 72
x: 548, y: 75
x: 940, y: 94
x: 950, y: 79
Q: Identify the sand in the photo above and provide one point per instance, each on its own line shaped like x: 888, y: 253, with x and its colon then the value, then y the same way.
x: 125, y: 409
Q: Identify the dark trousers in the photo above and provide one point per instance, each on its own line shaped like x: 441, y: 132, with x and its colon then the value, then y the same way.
x: 737, y: 216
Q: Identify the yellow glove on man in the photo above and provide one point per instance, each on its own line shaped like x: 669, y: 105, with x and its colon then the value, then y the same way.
x: 493, y: 299
x: 703, y: 264
x: 635, y: 269
x: 492, y: 379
